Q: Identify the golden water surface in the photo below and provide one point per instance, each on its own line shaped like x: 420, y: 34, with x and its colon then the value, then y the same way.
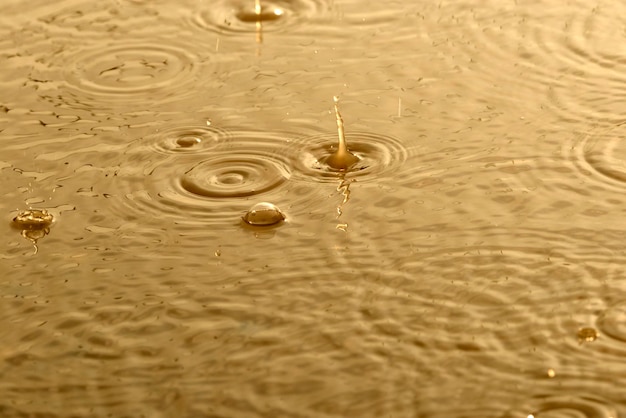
x: 463, y: 258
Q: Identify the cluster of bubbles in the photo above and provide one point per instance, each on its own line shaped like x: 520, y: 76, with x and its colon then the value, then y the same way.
x: 33, y: 224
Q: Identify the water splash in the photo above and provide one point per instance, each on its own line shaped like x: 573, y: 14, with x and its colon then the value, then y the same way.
x: 342, y: 159
x: 33, y: 224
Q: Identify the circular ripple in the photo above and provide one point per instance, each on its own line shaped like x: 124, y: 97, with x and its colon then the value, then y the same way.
x: 188, y: 139
x: 613, y: 322
x: 379, y: 156
x: 226, y: 176
x: 603, y: 152
x: 584, y: 60
x: 573, y: 53
x: 225, y: 17
x: 215, y: 187
x: 89, y: 19
x: 569, y: 406
x: 123, y: 74
x: 131, y: 69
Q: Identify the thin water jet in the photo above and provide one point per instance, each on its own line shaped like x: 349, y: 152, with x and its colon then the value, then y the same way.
x: 342, y: 159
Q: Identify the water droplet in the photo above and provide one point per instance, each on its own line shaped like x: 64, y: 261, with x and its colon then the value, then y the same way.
x: 263, y: 214
x: 188, y: 141
x: 551, y: 372
x: 33, y: 219
x: 261, y: 14
x: 34, y: 224
x: 587, y: 335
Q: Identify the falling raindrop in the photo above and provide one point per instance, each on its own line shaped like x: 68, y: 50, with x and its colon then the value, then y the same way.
x: 263, y: 214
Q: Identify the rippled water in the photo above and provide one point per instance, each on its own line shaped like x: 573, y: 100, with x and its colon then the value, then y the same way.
x: 468, y: 265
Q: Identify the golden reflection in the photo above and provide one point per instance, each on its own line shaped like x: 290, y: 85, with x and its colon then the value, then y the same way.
x: 344, y: 189
x: 259, y: 27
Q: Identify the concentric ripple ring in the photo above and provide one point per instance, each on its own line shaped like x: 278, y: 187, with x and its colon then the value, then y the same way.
x: 225, y: 17
x: 223, y: 176
x: 378, y: 154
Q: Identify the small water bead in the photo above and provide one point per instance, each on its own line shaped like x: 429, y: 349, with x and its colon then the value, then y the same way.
x: 587, y: 335
x: 188, y: 141
x: 264, y: 214
x: 265, y: 15
x: 33, y: 219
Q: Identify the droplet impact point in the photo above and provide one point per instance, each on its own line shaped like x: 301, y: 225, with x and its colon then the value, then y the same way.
x: 264, y: 214
x: 33, y: 219
x: 342, y: 159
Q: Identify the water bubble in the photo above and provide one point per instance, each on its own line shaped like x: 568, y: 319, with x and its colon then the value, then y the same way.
x: 34, y: 224
x: 33, y: 219
x: 587, y: 335
x: 188, y: 141
x: 264, y: 214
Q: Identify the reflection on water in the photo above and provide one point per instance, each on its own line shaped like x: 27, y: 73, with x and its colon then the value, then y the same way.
x: 460, y: 256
